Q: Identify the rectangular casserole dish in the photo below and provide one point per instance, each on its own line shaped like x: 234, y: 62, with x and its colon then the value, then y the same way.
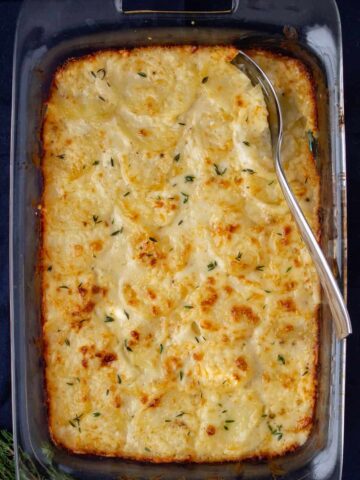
x: 45, y: 38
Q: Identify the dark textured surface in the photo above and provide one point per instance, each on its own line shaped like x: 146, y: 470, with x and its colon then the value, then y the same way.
x: 350, y: 14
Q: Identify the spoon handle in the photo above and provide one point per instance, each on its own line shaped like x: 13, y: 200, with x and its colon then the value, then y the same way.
x: 328, y: 282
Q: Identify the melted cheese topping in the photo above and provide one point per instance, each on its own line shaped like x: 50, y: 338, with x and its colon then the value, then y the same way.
x: 179, y: 303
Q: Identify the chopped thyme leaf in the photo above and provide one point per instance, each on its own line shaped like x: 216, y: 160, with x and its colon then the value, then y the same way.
x: 186, y: 197
x: 271, y: 182
x: 101, y: 73
x: 306, y: 180
x: 61, y: 156
x: 102, y: 98
x: 267, y: 291
x: 109, y: 319
x: 117, y: 232
x: 224, y: 411
x: 276, y: 431
x: 75, y: 422
x: 127, y: 346
x: 126, y: 194
x: 147, y: 449
x: 229, y: 421
x: 96, y: 162
x: 278, y: 233
x: 177, y: 157
x: 69, y: 383
x: 183, y: 124
x: 96, y: 414
x: 181, y: 374
x: 313, y: 143
x: 218, y: 171
x: 245, y: 142
x: 188, y: 306
x: 260, y: 268
x: 212, y: 265
x: 238, y: 256
x: 167, y: 420
x: 196, y: 338
x: 249, y: 170
x: 142, y: 74
x: 64, y: 286
x: 226, y: 427
x: 49, y: 268
x: 112, y: 161
x: 281, y: 359
x: 181, y: 221
x: 153, y: 239
x: 96, y: 219
x: 288, y: 269
x: 180, y: 414
x: 205, y: 79
x: 93, y: 74
x: 107, y: 392
x: 189, y: 178
x: 306, y: 371
x: 119, y: 379
x: 126, y: 314
x: 161, y: 348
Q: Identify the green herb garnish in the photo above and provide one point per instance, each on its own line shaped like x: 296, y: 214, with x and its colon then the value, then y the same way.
x: 127, y: 346
x: 205, y: 79
x: 126, y: 194
x: 218, y: 171
x: 238, y: 256
x: 281, y: 359
x: 101, y: 73
x: 313, y: 143
x: 260, y: 268
x: 245, y: 142
x: 177, y: 157
x: 212, y: 265
x: 109, y: 319
x: 161, y: 348
x: 249, y: 170
x: 276, y: 431
x: 117, y: 232
x: 119, y: 379
x: 126, y: 314
x: 186, y: 197
x: 96, y: 414
x: 142, y: 74
x: 189, y: 178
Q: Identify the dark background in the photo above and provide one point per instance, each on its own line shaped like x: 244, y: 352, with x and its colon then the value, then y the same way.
x: 350, y: 16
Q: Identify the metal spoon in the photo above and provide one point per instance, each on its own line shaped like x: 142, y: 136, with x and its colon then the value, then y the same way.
x: 328, y: 282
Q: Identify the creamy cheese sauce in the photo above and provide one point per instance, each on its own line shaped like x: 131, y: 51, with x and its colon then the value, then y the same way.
x: 179, y: 302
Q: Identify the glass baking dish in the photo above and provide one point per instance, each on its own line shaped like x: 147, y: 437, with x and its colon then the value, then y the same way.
x: 49, y: 34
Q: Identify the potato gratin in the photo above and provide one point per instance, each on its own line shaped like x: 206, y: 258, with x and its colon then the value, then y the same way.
x: 179, y: 302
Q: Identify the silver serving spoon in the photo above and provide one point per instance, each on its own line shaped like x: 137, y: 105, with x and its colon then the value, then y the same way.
x: 328, y: 282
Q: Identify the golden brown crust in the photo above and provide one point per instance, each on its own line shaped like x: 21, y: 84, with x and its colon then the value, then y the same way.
x: 263, y: 455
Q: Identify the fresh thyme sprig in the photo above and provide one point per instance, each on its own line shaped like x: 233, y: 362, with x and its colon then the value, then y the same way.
x: 28, y: 469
